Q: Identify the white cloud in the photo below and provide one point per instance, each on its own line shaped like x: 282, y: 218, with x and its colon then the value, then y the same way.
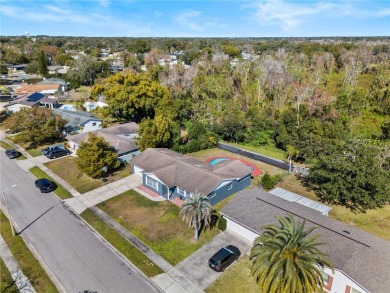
x: 186, y: 20
x: 104, y: 3
x: 90, y: 21
x: 287, y: 15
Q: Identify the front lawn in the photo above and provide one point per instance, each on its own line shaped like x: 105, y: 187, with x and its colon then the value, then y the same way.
x: 157, y: 224
x: 236, y: 279
x: 66, y: 169
x: 60, y: 191
x: 126, y: 248
x: 376, y: 222
x: 26, y: 260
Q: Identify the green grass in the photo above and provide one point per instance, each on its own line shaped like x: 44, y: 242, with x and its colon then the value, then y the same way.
x: 26, y: 260
x: 376, y: 222
x: 157, y: 224
x: 126, y: 248
x: 66, y: 169
x: 60, y: 191
x: 236, y: 279
x: 267, y: 150
x: 7, y: 284
x: 7, y: 146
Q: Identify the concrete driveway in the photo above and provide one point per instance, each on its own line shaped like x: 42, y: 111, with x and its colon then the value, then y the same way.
x: 195, y: 267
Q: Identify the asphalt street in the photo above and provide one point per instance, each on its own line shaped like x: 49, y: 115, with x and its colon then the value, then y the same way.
x: 79, y: 260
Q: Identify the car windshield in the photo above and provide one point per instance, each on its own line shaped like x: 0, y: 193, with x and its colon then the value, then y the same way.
x: 45, y: 182
x: 213, y: 262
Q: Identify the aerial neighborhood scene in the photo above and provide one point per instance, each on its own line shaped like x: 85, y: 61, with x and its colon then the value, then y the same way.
x: 195, y: 146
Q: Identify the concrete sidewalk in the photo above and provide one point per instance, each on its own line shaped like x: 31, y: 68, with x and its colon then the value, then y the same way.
x: 21, y: 281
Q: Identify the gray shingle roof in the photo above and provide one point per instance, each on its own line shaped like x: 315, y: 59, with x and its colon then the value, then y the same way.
x: 75, y: 118
x: 119, y: 137
x: 362, y: 256
x: 175, y: 169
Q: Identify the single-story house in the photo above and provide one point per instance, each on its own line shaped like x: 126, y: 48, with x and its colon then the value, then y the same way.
x: 54, y: 80
x: 361, y: 260
x: 171, y: 175
x: 78, y: 121
x: 47, y: 89
x: 24, y: 101
x: 121, y: 138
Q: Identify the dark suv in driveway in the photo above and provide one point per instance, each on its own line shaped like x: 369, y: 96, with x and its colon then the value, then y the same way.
x: 52, y: 148
x: 224, y: 257
x: 56, y: 153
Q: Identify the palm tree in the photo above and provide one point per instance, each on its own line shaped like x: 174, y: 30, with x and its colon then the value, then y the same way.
x: 195, y: 211
x: 286, y: 258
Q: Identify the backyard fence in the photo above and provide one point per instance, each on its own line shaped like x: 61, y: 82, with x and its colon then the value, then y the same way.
x: 255, y: 156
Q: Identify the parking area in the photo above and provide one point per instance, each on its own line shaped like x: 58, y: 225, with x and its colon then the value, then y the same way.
x: 195, y: 267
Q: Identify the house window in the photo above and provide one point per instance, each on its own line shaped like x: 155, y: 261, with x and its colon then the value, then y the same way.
x: 152, y: 183
x: 230, y: 186
x: 181, y: 191
x: 328, y: 280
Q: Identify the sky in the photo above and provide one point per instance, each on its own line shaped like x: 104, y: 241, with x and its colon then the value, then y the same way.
x: 201, y: 18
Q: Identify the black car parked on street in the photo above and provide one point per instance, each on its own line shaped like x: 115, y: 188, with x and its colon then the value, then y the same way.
x: 224, y: 257
x: 12, y: 154
x: 44, y: 185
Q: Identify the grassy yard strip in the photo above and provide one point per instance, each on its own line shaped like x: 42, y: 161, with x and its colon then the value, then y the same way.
x: 7, y: 146
x: 126, y: 248
x: 376, y: 222
x: 236, y: 279
x: 267, y: 150
x: 77, y: 179
x: 26, y: 260
x: 7, y: 284
x: 60, y: 191
x: 157, y: 224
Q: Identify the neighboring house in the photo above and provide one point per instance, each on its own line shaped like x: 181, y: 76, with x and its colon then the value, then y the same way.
x: 54, y: 80
x: 171, y: 175
x: 25, y: 101
x: 120, y: 137
x: 361, y: 260
x: 79, y: 122
x: 46, y: 89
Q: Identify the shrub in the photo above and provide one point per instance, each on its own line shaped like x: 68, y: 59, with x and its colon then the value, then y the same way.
x: 268, y: 181
x: 222, y: 224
